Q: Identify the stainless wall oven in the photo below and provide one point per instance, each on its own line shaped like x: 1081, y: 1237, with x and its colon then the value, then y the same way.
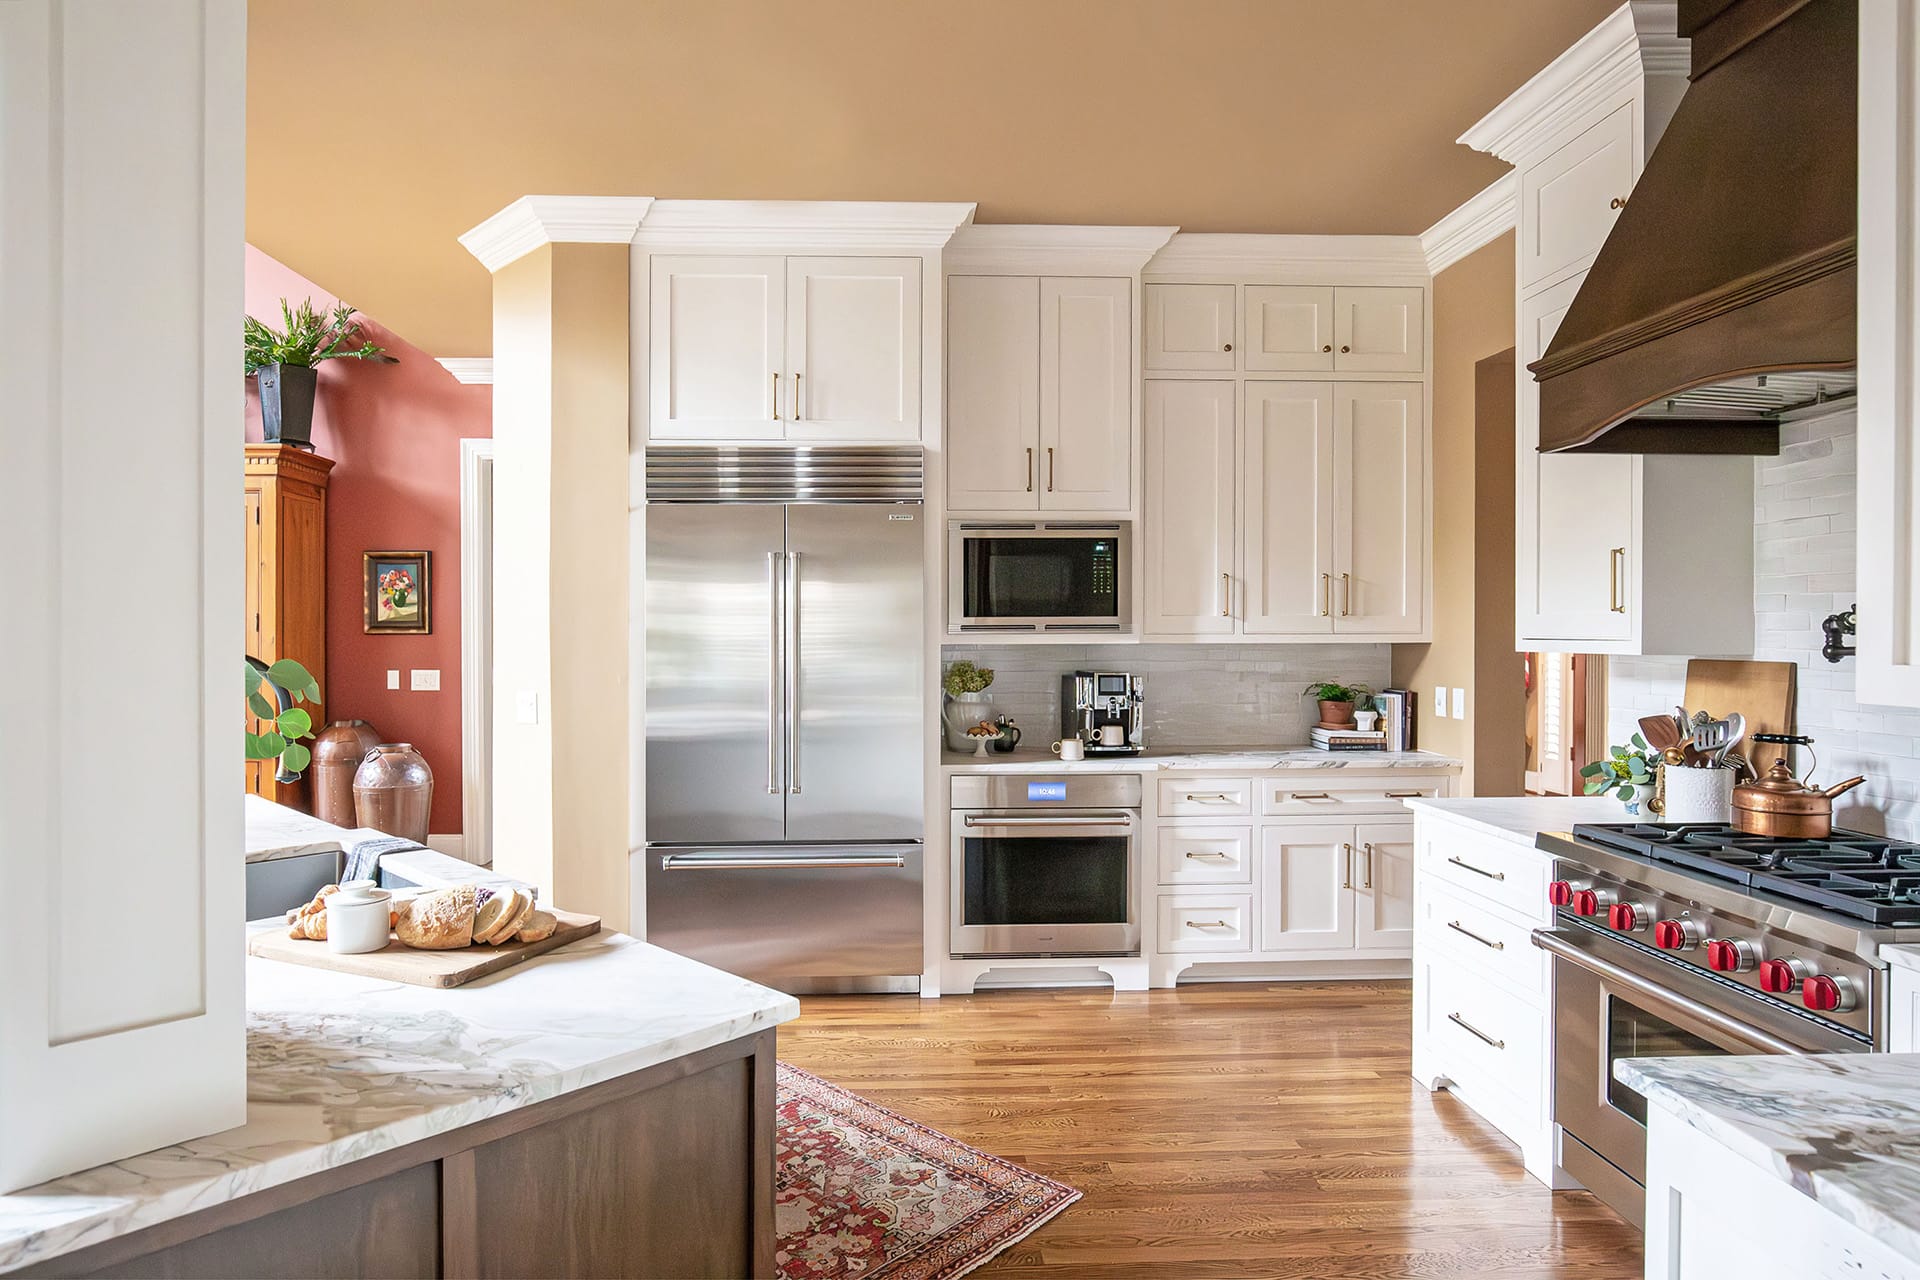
x: 1045, y: 865
x: 1058, y: 575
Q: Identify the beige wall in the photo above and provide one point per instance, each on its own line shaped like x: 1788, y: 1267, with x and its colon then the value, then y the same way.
x: 1473, y: 317
x: 560, y: 558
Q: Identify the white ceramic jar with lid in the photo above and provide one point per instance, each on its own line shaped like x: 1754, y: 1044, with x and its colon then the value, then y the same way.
x: 359, y: 918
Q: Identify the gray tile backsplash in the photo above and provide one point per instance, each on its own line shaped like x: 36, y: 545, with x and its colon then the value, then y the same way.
x: 1197, y: 695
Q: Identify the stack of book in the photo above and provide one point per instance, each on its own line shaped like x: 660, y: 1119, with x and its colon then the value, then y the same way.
x: 1394, y: 733
x: 1349, y: 739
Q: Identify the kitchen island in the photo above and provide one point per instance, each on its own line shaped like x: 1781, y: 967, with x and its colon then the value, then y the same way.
x: 606, y: 1108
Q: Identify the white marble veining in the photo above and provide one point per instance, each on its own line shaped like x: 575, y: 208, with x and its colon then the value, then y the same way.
x: 1233, y: 759
x: 275, y: 831
x: 340, y: 1067
x: 1520, y: 819
x: 1843, y: 1129
x: 1905, y: 957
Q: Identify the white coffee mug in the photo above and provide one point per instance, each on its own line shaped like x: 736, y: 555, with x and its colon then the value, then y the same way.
x: 1070, y: 749
x: 1112, y: 735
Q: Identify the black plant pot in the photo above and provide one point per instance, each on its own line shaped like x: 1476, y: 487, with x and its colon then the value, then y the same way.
x: 286, y: 404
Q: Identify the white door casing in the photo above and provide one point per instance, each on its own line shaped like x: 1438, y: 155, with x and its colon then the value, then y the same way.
x: 476, y: 651
x: 1287, y: 509
x: 1190, y: 492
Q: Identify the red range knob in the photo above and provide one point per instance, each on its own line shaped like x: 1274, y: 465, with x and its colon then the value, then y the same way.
x: 1560, y: 893
x: 1676, y: 935
x: 1591, y: 902
x: 1828, y: 995
x: 1781, y: 977
x: 1728, y: 955
x: 1627, y: 917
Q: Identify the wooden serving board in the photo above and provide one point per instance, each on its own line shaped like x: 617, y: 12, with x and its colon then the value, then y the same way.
x: 421, y: 968
x: 1764, y: 692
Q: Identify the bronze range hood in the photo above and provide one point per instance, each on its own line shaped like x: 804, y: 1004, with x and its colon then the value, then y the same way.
x: 1723, y: 299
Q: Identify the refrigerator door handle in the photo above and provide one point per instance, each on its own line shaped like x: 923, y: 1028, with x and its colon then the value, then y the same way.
x: 775, y: 670
x: 792, y: 609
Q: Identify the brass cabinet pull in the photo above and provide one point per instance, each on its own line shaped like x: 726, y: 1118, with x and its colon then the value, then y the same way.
x: 1226, y: 595
x: 1049, y: 468
x: 1029, y: 470
x: 1475, y: 1031
x: 1208, y: 855
x: 1618, y: 202
x: 1616, y: 573
x: 1208, y: 924
x: 776, y: 397
x: 1207, y: 797
x: 1308, y: 795
x: 1405, y: 795
x: 1326, y: 595
x: 1468, y: 866
x: 1366, y: 878
x: 1488, y: 943
x: 1346, y: 595
x: 1347, y: 882
x: 796, y: 397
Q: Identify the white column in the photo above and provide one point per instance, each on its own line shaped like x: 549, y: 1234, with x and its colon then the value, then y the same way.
x: 122, y: 1021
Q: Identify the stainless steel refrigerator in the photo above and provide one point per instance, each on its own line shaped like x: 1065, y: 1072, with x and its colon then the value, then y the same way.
x: 785, y: 709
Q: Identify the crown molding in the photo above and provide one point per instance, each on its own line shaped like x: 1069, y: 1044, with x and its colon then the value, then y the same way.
x: 472, y: 370
x: 789, y: 225
x: 1286, y: 259
x: 532, y: 221
x: 1043, y: 250
x: 1635, y: 41
x: 1478, y: 221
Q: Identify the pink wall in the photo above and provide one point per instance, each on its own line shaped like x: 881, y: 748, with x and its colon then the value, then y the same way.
x: 393, y: 431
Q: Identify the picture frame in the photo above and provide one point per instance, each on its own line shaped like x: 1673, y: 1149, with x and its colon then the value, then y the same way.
x: 396, y: 592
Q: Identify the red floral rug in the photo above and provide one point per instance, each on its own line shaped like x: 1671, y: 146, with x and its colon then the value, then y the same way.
x: 862, y: 1192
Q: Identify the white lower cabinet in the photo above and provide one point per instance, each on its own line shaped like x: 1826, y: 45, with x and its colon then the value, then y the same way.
x: 1903, y: 1008
x: 1306, y: 887
x: 1206, y: 923
x: 1383, y: 893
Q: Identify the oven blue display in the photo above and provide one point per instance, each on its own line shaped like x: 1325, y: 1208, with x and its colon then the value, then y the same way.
x: 1056, y: 791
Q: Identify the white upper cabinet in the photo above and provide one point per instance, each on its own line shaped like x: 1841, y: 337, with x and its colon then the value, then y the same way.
x: 1289, y: 328
x: 853, y: 348
x: 1190, y: 326
x: 1379, y: 502
x: 1039, y: 393
x: 1571, y: 197
x: 1379, y: 330
x: 718, y: 350
x: 1287, y: 525
x: 993, y: 393
x: 1190, y: 506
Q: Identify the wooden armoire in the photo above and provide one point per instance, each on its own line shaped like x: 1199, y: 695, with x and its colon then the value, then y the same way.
x: 287, y: 582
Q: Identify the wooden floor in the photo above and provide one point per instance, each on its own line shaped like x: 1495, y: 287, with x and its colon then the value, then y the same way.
x: 1231, y: 1129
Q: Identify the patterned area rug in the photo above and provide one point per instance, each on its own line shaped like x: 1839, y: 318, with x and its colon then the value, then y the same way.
x: 862, y: 1192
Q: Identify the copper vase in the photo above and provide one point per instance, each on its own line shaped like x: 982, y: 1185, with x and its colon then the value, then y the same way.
x: 393, y: 791
x: 337, y: 754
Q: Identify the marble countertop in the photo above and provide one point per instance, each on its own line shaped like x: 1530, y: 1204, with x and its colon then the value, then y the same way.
x: 1903, y: 956
x: 1843, y: 1129
x: 1236, y: 759
x: 341, y: 1067
x: 1520, y: 819
x: 274, y: 831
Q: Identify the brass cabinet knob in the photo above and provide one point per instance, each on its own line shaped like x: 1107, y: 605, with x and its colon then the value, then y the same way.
x: 1344, y: 349
x: 1618, y: 202
x: 1228, y: 347
x: 1326, y: 348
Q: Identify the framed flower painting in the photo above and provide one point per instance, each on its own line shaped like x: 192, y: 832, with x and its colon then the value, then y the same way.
x: 397, y: 593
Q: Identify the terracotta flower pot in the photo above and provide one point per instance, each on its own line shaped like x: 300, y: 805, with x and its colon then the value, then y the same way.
x: 1336, y: 715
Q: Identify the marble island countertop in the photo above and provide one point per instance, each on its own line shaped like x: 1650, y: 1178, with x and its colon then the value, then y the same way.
x: 341, y: 1067
x: 1521, y: 819
x: 275, y: 831
x: 1842, y: 1129
x: 1040, y: 759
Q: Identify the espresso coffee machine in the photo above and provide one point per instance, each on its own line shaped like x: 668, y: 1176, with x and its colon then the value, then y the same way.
x: 1092, y: 700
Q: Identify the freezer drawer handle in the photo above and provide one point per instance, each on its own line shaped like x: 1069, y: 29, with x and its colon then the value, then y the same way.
x: 754, y: 862
x: 1064, y: 820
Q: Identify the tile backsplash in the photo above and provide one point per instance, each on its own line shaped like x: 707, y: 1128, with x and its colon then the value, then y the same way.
x: 1803, y: 571
x: 1197, y: 695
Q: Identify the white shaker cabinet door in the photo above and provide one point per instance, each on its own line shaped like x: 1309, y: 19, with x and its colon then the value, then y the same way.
x: 1569, y: 200
x: 717, y: 348
x: 1380, y: 508
x: 1378, y: 329
x: 853, y: 348
x: 1190, y: 506
x: 993, y: 393
x: 1576, y: 552
x: 1383, y: 905
x: 1287, y: 520
x: 1288, y: 328
x: 1306, y: 888
x: 1086, y: 400
x: 1190, y: 326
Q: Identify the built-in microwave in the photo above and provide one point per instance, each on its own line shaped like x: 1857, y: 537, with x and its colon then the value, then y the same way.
x: 1055, y: 575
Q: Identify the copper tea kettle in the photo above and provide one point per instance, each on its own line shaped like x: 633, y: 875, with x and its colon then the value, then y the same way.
x: 1779, y: 804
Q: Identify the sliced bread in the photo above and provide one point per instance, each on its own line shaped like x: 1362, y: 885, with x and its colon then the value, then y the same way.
x: 496, y: 913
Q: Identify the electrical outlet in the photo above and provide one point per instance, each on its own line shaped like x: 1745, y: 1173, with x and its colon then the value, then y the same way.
x: 393, y: 679
x: 426, y: 680
x: 1459, y: 704
x: 1440, y: 702
x: 526, y: 706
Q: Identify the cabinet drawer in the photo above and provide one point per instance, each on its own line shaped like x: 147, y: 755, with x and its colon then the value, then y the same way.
x: 1213, y: 922
x: 1205, y: 855
x: 1512, y: 876
x: 1205, y: 797
x: 1314, y: 792
x: 1453, y: 929
x: 1489, y: 1043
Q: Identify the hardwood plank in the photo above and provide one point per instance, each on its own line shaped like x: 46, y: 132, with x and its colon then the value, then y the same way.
x: 1231, y: 1129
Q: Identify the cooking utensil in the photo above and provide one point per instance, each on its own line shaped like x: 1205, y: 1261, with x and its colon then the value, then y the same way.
x: 1736, y: 733
x: 1660, y: 732
x: 1782, y: 805
x: 1710, y: 738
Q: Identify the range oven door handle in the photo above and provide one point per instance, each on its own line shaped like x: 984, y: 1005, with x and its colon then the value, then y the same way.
x: 1660, y: 997
x: 1122, y: 820
x: 761, y: 862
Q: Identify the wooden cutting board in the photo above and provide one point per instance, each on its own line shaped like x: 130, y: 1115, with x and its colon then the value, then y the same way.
x: 421, y: 968
x: 1764, y: 692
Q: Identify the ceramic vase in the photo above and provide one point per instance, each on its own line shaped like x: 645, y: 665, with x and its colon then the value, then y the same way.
x: 393, y: 791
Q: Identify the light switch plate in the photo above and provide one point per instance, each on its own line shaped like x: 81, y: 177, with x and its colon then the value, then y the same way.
x: 1440, y: 702
x: 526, y: 706
x: 1459, y: 704
x: 426, y: 680
x: 393, y: 679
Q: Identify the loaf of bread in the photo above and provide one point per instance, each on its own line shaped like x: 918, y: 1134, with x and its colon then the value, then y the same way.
x: 538, y: 928
x: 438, y: 921
x: 511, y: 930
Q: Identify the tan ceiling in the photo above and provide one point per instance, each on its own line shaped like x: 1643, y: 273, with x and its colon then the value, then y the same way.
x: 378, y: 130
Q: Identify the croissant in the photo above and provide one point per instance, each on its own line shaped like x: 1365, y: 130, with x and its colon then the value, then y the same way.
x: 312, y: 925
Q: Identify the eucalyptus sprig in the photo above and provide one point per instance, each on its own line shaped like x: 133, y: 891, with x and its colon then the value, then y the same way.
x: 309, y: 337
x: 289, y: 682
x: 1623, y: 771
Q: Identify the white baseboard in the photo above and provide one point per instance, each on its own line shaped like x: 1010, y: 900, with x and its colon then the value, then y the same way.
x: 454, y: 846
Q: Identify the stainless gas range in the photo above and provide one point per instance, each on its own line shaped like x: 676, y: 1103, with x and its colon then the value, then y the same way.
x: 1679, y: 940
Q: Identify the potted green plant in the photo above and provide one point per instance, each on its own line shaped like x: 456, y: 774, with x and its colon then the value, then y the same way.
x: 968, y: 705
x: 272, y: 692
x: 1336, y: 702
x: 1627, y: 773
x: 282, y: 362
